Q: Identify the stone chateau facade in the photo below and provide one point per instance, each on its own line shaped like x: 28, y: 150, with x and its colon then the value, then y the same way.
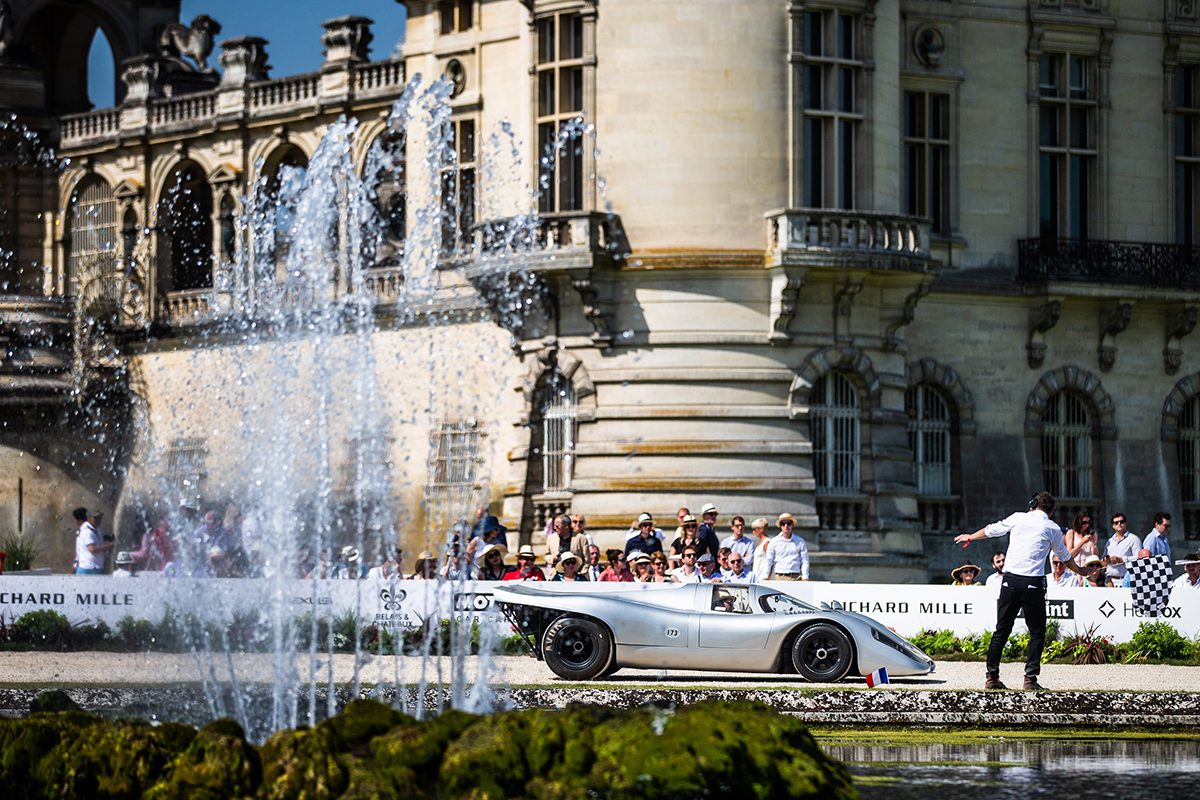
x: 890, y: 265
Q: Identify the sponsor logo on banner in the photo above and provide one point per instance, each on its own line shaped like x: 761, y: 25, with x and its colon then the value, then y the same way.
x: 1056, y: 609
x: 472, y: 601
x: 391, y: 599
x: 324, y: 600
x: 1131, y: 610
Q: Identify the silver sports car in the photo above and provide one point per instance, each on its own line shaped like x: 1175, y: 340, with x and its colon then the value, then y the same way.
x: 585, y: 633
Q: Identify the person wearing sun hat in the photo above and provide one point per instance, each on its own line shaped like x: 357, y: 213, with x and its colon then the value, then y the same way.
x: 426, y: 567
x: 490, y: 562
x: 569, y: 567
x: 965, y: 575
x: 527, y: 568
x: 787, y: 554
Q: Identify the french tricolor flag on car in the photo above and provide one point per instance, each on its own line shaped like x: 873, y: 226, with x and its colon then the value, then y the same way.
x: 877, y: 678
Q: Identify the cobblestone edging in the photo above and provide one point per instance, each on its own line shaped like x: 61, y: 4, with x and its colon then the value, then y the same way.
x: 188, y: 702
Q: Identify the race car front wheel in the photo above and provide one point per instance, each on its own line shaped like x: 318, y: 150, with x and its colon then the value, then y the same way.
x: 822, y: 653
x: 577, y: 648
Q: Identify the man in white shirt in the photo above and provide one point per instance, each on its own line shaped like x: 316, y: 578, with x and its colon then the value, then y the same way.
x: 738, y: 571
x: 1032, y: 536
x: 1190, y: 579
x: 1059, y: 576
x: 90, y: 547
x: 787, y: 554
x: 1122, y: 547
x: 1158, y: 540
x: 998, y: 565
x: 687, y: 573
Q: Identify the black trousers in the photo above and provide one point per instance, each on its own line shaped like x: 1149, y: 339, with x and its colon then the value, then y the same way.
x: 1020, y: 593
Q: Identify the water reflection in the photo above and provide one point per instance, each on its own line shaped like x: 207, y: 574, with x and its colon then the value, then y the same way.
x: 1036, y: 768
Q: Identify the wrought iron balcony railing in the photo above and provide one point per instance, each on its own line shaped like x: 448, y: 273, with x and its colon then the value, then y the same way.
x: 1150, y: 264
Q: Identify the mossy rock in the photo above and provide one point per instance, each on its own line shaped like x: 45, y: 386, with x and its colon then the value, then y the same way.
x: 711, y: 750
x: 106, y: 760
x: 218, y: 763
x: 25, y: 742
x: 317, y: 763
x: 406, y: 760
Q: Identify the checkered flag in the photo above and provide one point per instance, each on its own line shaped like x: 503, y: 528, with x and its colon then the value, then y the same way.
x: 1150, y: 580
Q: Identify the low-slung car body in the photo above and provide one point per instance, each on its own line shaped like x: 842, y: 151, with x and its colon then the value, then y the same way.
x: 583, y: 633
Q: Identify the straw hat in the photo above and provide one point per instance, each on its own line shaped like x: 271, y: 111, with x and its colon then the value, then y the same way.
x: 956, y: 573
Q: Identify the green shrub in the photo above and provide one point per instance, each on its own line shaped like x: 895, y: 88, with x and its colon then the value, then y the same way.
x: 88, y: 637
x: 135, y: 634
x: 43, y: 629
x: 1090, y: 648
x: 1159, y: 641
x: 21, y: 552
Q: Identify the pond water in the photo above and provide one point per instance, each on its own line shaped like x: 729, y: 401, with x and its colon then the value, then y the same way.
x: 1077, y: 768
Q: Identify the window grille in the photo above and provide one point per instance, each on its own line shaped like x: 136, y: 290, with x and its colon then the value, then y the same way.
x: 185, y: 468
x: 930, y: 438
x: 834, y: 427
x: 559, y: 415
x: 93, y: 235
x: 453, y: 465
x: 1067, y: 447
x: 832, y: 79
x: 1189, y: 451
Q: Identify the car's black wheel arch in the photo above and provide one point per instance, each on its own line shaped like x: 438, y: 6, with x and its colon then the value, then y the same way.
x: 785, y: 651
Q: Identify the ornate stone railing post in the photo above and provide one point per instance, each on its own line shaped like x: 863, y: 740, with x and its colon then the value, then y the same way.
x: 143, y: 77
x: 347, y: 42
x: 243, y: 61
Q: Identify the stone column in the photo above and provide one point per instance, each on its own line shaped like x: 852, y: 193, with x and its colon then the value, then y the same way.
x: 143, y: 77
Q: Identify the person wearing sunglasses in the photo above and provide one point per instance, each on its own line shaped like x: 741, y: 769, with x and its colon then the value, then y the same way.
x: 787, y: 555
x: 738, y: 571
x: 1121, y: 547
x: 618, y: 568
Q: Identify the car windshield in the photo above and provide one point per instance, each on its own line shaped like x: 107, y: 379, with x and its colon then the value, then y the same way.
x: 783, y: 604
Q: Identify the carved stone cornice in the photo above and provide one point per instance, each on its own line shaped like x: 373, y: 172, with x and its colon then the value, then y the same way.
x: 891, y: 339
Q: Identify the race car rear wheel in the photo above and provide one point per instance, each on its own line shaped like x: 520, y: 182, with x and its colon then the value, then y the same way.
x: 822, y: 653
x: 577, y: 648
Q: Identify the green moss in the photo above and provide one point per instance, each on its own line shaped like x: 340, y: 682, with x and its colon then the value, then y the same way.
x: 407, y: 758
x: 218, y: 763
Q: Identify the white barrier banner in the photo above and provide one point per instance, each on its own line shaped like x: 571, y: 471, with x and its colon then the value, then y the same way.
x: 398, y: 605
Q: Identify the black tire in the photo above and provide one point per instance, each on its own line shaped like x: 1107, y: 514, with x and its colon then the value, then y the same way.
x: 577, y: 648
x: 822, y: 653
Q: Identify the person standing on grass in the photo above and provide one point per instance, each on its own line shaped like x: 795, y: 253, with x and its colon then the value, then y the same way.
x: 1032, y: 536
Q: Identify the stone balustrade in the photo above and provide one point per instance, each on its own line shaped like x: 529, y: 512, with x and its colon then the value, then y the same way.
x: 384, y: 284
x: 297, y: 90
x: 381, y: 77
x: 554, y: 235
x: 843, y: 512
x: 837, y: 237
x: 183, y: 112
x: 187, y: 307
x: 80, y: 128
x: 940, y: 514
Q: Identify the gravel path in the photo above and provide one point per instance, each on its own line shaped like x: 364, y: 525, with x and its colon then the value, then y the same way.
x: 22, y: 669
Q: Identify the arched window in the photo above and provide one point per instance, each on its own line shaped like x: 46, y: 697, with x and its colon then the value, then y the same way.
x: 1189, y: 451
x: 559, y: 413
x: 835, y: 418
x: 386, y: 169
x: 285, y: 172
x: 92, y: 234
x: 930, y: 436
x: 228, y: 229
x: 1067, y: 446
x: 185, y: 228
x: 129, y: 235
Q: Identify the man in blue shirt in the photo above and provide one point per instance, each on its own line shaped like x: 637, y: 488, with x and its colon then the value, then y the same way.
x: 1158, y: 540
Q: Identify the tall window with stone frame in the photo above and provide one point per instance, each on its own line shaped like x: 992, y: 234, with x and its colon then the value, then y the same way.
x: 453, y: 466
x: 559, y: 413
x: 1067, y: 448
x: 1067, y: 149
x: 832, y: 81
x: 835, y: 418
x: 458, y: 187
x: 1187, y: 154
x: 926, y: 142
x: 455, y: 16
x: 92, y: 234
x: 1189, y: 467
x: 931, y: 439
x: 561, y: 107
x: 185, y: 228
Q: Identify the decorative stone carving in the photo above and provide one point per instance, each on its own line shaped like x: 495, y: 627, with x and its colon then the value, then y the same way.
x: 891, y: 339
x: 929, y: 46
x: 195, y: 41
x: 1080, y: 381
x: 143, y: 77
x: 786, y: 283
x: 594, y: 310
x: 456, y: 73
x: 1113, y: 320
x: 244, y: 59
x: 1041, y: 320
x: 1180, y: 323
x: 347, y: 39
